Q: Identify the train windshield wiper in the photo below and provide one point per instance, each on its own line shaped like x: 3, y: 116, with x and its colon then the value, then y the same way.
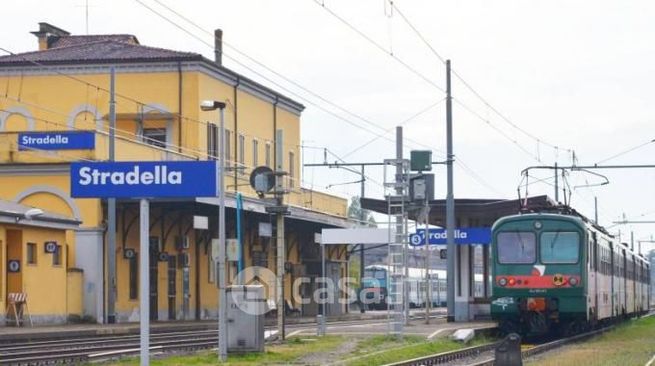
x: 518, y: 236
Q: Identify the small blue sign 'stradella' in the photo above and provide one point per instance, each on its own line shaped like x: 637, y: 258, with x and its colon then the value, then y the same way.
x: 63, y: 140
x: 469, y: 235
x: 144, y: 179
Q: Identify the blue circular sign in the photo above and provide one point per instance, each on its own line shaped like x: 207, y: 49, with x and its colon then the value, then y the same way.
x: 13, y: 266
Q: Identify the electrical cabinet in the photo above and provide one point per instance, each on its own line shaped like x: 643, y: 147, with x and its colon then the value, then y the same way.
x: 245, y: 318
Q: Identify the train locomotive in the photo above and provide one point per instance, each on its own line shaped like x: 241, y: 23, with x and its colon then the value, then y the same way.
x: 560, y: 273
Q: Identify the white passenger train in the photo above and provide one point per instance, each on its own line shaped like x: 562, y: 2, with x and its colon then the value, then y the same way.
x: 376, y: 281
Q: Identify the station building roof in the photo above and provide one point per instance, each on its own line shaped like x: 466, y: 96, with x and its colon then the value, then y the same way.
x: 108, y: 49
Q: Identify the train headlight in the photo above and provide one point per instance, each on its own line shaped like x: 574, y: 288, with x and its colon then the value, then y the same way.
x: 573, y: 281
x: 502, y: 281
x: 511, y: 281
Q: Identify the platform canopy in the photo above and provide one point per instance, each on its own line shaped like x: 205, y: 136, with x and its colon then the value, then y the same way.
x: 473, y: 212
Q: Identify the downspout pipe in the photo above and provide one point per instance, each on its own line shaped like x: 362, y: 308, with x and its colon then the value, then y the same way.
x: 236, y: 134
x: 179, y: 106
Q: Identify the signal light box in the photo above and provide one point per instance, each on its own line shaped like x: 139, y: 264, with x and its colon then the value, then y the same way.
x: 420, y: 160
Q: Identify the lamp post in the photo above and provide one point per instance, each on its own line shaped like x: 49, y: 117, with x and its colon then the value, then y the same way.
x: 211, y: 105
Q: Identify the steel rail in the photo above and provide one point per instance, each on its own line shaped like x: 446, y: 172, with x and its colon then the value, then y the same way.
x: 445, y: 357
x: 58, y: 356
x: 11, y: 348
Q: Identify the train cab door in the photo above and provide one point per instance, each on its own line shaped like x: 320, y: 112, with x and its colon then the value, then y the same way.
x: 612, y: 275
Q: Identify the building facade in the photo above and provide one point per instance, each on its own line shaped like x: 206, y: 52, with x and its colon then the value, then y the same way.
x: 33, y: 261
x: 64, y: 87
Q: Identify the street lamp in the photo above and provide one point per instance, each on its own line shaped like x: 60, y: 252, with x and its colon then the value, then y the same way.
x: 211, y: 105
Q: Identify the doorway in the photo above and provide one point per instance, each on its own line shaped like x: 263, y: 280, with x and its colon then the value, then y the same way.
x: 154, y: 279
x: 14, y: 261
x: 172, y: 284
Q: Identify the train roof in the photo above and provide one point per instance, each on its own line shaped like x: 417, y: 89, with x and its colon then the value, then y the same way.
x: 556, y: 212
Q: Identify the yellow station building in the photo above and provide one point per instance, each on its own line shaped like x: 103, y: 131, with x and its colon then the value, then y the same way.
x: 64, y: 86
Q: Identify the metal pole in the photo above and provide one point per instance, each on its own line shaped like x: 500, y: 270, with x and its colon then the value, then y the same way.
x: 362, y: 255
x: 556, y: 185
x: 321, y: 325
x: 144, y: 278
x: 450, y: 201
x: 438, y: 291
x: 428, y: 264
x: 222, y: 308
x: 401, y: 221
x: 596, y: 210
x: 281, y: 253
x: 111, y: 208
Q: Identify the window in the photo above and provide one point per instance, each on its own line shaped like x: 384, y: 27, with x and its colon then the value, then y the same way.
x: 255, y: 147
x: 242, y: 153
x: 56, y: 256
x: 292, y: 173
x: 155, y: 136
x: 212, y: 141
x: 268, y: 154
x: 516, y: 247
x: 561, y: 247
x: 134, y: 277
x: 31, y: 253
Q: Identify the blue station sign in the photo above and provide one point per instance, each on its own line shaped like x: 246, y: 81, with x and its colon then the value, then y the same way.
x: 144, y: 179
x: 469, y: 235
x: 64, y: 140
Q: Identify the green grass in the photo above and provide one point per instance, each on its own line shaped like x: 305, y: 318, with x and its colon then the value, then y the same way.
x: 379, y: 350
x: 354, y: 351
x: 632, y: 343
x: 288, y: 352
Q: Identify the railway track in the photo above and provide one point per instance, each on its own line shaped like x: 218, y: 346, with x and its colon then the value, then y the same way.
x: 89, y: 349
x: 483, y: 355
x: 100, y: 348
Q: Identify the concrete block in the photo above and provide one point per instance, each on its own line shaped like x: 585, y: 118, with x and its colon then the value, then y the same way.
x: 463, y: 335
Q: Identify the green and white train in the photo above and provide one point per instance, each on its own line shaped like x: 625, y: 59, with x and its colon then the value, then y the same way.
x: 558, y: 272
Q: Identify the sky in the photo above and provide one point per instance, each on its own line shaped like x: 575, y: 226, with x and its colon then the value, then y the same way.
x: 536, y: 82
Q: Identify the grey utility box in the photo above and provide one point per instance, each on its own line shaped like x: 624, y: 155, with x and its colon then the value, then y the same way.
x: 245, y: 318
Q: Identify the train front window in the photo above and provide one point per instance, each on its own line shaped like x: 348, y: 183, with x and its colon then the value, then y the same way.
x: 560, y: 247
x: 516, y: 247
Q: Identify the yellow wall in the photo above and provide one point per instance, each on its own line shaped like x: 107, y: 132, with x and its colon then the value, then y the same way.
x: 3, y: 273
x: 44, y: 283
x: 74, y: 291
x: 42, y: 97
x: 51, y: 110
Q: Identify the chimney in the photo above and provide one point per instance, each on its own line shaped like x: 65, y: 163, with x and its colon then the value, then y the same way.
x: 218, y: 46
x: 47, y: 33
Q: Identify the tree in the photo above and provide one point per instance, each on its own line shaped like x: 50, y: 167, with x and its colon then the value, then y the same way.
x: 356, y: 212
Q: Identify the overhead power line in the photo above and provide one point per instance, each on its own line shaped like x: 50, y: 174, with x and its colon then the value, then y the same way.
x: 380, y: 47
x: 303, y: 98
x: 188, y: 32
x: 469, y: 87
x: 627, y: 151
